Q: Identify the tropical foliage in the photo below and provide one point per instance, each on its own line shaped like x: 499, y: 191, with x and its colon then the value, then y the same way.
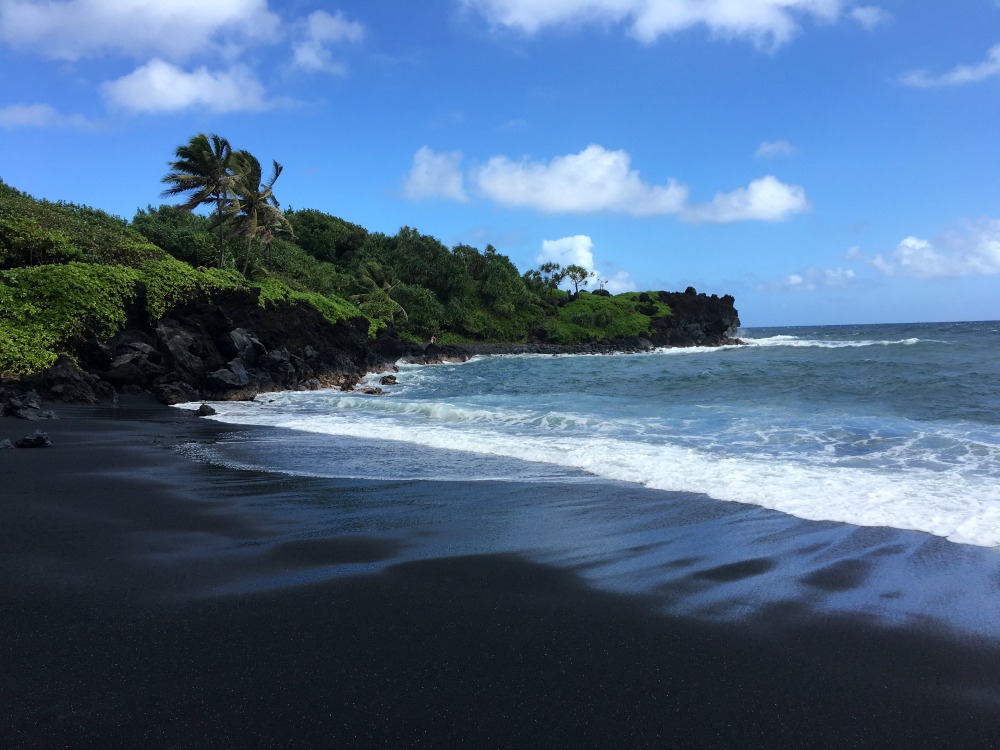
x: 66, y: 268
x: 202, y: 170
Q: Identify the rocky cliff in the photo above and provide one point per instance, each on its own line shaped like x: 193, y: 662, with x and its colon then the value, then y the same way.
x: 230, y: 348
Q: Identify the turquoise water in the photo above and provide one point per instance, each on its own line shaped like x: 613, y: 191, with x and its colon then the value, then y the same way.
x: 880, y: 425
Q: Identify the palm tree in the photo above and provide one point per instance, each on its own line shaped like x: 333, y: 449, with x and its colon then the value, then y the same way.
x: 257, y: 210
x: 269, y: 223
x: 202, y: 168
x: 380, y: 283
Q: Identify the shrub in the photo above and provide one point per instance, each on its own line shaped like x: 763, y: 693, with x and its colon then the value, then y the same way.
x: 592, y: 317
x: 43, y: 307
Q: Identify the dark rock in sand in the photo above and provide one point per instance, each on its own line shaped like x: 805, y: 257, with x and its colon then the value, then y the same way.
x: 27, y: 405
x: 205, y: 411
x: 37, y: 439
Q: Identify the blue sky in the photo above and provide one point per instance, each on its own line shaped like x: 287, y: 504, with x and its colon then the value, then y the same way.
x: 824, y: 161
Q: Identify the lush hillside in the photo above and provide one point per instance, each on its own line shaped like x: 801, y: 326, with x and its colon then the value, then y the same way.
x: 68, y: 269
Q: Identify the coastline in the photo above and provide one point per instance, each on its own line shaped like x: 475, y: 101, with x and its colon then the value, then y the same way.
x: 121, y: 625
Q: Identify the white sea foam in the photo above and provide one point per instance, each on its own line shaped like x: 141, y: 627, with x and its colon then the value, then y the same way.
x: 901, y: 431
x: 794, y: 341
x: 943, y: 498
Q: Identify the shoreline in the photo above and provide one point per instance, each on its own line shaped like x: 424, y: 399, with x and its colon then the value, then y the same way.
x: 121, y: 627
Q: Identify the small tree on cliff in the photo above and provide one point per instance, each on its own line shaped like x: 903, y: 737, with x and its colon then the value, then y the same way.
x: 552, y: 274
x: 579, y: 275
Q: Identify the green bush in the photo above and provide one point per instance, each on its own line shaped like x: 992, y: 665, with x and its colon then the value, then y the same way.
x: 95, y: 236
x: 24, y: 243
x: 42, y: 308
x: 170, y: 282
x: 334, y: 309
x: 592, y: 317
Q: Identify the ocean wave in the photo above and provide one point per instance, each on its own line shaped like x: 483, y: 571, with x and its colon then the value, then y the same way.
x: 941, y: 496
x: 793, y: 341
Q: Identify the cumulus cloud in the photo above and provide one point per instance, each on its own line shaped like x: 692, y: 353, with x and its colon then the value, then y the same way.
x: 322, y: 30
x: 959, y: 75
x: 770, y: 149
x: 972, y: 252
x: 812, y: 279
x: 174, y: 30
x: 617, y: 283
x: 579, y: 250
x: 768, y: 23
x: 869, y: 16
x: 765, y: 199
x: 40, y: 116
x: 595, y: 179
x: 159, y: 86
x: 436, y: 175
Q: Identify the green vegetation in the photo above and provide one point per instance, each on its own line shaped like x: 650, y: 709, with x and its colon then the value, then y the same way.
x: 595, y: 317
x: 67, y: 269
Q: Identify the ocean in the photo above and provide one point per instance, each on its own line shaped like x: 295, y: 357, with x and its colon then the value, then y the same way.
x: 880, y: 443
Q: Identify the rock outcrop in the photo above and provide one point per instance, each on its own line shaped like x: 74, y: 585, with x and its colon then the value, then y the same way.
x: 697, y: 320
x: 230, y: 348
x: 224, y: 348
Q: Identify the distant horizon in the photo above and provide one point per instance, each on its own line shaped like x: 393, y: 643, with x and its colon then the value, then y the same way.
x: 845, y: 325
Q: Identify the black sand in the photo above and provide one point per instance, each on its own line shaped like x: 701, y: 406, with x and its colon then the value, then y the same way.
x: 119, y: 628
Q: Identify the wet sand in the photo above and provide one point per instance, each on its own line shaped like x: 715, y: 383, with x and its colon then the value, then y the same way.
x: 148, y: 600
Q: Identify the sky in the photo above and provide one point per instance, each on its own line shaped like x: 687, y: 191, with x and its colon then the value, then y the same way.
x: 824, y: 161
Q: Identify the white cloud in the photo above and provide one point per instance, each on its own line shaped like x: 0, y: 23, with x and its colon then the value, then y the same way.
x: 322, y: 30
x: 579, y: 250
x: 765, y: 199
x: 812, y: 279
x: 174, y: 30
x: 593, y: 180
x: 617, y: 283
x: 769, y: 149
x: 159, y: 86
x: 973, y: 252
x: 959, y: 75
x: 768, y: 23
x: 869, y: 16
x: 436, y: 175
x: 40, y: 116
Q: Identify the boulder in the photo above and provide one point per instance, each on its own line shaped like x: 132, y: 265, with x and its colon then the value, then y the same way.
x: 66, y: 383
x: 172, y: 392
x: 233, y: 375
x: 37, y: 439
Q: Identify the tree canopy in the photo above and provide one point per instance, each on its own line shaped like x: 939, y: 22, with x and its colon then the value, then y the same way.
x: 409, y: 280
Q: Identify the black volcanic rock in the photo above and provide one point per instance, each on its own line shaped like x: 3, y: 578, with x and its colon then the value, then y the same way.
x: 228, y: 347
x: 697, y: 320
x: 37, y: 439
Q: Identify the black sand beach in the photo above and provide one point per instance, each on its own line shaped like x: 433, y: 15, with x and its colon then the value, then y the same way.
x: 147, y: 600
